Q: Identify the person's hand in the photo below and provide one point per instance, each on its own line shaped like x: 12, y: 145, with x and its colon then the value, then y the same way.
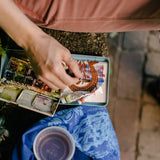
x: 47, y: 55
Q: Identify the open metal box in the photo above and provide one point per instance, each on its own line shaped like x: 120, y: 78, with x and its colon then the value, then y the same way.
x: 18, y: 92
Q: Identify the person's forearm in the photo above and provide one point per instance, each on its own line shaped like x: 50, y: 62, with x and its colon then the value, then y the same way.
x: 46, y: 54
x: 16, y: 24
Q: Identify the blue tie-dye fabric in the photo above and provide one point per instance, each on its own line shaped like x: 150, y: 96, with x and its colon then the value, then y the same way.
x: 90, y: 127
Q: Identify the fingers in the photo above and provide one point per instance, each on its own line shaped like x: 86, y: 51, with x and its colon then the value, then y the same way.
x: 52, y: 80
x: 58, y: 80
x: 72, y: 64
x: 59, y: 71
x: 55, y: 76
x: 48, y: 83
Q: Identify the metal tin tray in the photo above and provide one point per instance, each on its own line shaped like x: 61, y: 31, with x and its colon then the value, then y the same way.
x: 20, y: 53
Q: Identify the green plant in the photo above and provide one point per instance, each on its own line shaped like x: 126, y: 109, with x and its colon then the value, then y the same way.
x: 2, y: 50
x: 3, y: 131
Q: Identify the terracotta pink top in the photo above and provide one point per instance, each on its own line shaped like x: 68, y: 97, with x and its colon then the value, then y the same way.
x: 93, y: 15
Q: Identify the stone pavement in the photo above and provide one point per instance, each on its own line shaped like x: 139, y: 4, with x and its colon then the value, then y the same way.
x: 135, y: 114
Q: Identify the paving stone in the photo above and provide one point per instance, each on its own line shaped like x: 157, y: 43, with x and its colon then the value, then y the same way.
x: 153, y: 65
x: 154, y: 42
x: 147, y: 158
x: 127, y: 156
x: 136, y: 40
x: 149, y: 143
x: 126, y: 123
x: 111, y: 107
x: 130, y: 75
x: 114, y: 60
x: 148, y: 98
x: 150, y: 117
x: 113, y: 79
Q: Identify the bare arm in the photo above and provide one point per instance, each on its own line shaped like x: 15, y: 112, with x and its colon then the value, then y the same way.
x: 46, y: 53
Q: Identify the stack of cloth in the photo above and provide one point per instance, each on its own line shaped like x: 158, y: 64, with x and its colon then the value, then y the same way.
x: 90, y: 127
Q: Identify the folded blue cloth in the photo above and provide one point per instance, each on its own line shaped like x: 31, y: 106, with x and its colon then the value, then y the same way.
x: 90, y: 127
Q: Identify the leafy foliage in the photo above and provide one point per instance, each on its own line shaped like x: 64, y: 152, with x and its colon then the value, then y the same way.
x: 2, y: 50
x: 3, y: 131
